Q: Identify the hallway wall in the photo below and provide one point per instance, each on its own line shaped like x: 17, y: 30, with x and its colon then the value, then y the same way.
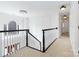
x: 74, y: 23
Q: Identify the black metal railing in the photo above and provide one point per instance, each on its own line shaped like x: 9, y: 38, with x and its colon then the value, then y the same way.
x: 26, y: 32
x: 49, y: 29
x: 33, y: 47
x: 36, y: 45
x: 8, y: 39
x: 44, y: 39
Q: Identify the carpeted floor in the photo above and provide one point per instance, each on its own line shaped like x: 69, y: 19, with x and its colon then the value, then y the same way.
x: 60, y: 48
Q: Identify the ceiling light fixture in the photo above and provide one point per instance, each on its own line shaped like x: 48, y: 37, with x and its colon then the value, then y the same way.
x: 63, y: 7
x: 65, y: 17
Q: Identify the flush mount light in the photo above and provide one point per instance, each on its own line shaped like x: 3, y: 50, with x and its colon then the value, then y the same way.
x: 63, y: 7
x: 23, y: 11
x: 65, y: 17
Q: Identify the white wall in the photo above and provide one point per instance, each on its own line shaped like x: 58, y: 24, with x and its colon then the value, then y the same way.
x: 74, y: 31
x: 37, y: 23
x: 43, y: 20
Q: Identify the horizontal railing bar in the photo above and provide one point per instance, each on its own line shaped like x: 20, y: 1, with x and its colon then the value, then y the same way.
x: 14, y: 30
x: 49, y: 29
x: 34, y: 37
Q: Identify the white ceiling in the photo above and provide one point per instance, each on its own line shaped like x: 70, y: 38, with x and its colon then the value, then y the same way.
x: 13, y: 7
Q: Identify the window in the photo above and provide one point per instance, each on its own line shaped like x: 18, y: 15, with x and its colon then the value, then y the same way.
x: 13, y: 26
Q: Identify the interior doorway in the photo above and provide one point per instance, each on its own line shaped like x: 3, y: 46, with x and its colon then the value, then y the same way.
x: 64, y: 25
x: 64, y: 20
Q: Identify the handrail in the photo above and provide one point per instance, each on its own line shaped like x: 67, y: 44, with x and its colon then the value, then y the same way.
x: 20, y: 30
x: 27, y: 32
x: 14, y: 30
x: 43, y: 30
x: 36, y: 39
x: 49, y: 29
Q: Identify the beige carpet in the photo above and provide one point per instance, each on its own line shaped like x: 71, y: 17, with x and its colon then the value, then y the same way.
x: 60, y: 48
